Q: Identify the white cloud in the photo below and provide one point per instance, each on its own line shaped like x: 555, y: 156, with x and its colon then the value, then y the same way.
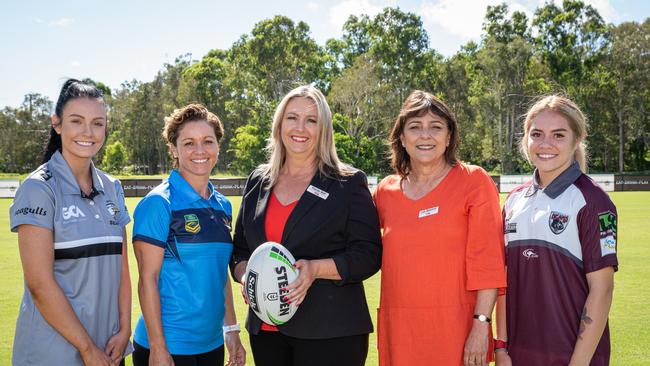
x: 605, y: 9
x: 61, y: 22
x: 75, y: 63
x: 453, y: 22
x: 313, y: 6
x: 463, y: 18
x: 340, y: 12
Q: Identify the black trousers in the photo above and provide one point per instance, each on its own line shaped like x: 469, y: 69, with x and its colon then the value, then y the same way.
x: 212, y: 358
x: 275, y: 349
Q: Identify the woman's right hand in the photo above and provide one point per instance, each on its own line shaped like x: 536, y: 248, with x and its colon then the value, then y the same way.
x: 160, y: 357
x: 244, y: 293
x: 240, y: 272
x: 502, y: 359
x: 94, y: 356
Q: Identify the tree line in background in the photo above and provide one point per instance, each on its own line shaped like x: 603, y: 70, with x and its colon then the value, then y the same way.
x: 367, y: 74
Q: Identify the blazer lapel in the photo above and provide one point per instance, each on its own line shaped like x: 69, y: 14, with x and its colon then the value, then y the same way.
x: 305, y: 204
x: 260, y: 208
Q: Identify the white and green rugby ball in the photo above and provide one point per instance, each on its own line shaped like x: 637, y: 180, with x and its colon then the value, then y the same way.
x: 269, y: 270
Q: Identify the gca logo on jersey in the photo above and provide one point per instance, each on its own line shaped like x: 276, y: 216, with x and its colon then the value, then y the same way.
x: 72, y: 211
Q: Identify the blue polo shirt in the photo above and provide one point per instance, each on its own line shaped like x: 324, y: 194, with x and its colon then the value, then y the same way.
x: 195, y: 234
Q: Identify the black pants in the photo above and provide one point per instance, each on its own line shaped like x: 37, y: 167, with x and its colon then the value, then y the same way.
x: 274, y: 349
x: 212, y: 358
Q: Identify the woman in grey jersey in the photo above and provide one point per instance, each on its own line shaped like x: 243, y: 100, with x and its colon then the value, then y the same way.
x: 70, y: 219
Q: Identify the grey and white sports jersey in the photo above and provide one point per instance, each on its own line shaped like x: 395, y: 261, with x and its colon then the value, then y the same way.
x: 87, y: 233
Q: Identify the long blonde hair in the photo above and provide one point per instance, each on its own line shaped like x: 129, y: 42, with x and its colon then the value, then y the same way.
x: 328, y: 161
x: 567, y: 108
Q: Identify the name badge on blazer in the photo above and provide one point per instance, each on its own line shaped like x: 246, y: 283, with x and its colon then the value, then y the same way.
x: 428, y: 212
x: 317, y: 192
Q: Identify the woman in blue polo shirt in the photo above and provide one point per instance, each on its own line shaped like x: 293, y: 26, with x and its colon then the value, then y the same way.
x: 70, y: 220
x: 182, y: 243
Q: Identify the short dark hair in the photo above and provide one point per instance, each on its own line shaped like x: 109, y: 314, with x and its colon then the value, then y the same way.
x: 71, y: 89
x: 417, y: 104
x: 190, y: 113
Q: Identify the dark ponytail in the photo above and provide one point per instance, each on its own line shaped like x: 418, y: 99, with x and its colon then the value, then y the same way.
x: 71, y: 89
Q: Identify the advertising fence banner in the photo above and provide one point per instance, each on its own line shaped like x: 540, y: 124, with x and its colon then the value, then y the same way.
x: 8, y: 187
x: 235, y: 186
x: 509, y: 182
x: 140, y: 187
x: 632, y: 183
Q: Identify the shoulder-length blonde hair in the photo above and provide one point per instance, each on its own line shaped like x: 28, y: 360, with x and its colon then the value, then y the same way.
x: 328, y: 161
x: 569, y: 110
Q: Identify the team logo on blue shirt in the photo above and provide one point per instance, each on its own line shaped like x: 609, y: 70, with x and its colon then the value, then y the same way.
x: 558, y: 221
x: 192, y: 224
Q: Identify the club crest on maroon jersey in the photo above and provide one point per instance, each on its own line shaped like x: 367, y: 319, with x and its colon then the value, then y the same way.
x: 558, y: 221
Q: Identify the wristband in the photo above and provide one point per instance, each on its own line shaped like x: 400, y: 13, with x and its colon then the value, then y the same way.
x: 231, y: 328
x: 500, y: 345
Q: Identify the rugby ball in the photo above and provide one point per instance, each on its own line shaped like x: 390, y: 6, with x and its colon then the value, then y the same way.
x: 269, y: 270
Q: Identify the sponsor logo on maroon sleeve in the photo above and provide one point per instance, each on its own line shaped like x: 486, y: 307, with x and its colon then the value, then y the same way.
x: 558, y: 221
x: 607, y: 226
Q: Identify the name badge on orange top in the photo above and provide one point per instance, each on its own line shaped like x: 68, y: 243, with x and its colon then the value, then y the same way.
x: 317, y: 192
x: 428, y: 212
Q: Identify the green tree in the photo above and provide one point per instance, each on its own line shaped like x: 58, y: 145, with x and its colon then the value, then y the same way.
x: 360, y: 98
x: 115, y: 157
x: 571, y: 38
x: 29, y: 125
x: 501, y: 87
x: 628, y: 68
x: 248, y: 148
x: 368, y: 153
x: 138, y: 113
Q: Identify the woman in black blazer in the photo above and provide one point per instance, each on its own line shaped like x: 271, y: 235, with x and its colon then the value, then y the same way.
x: 321, y: 210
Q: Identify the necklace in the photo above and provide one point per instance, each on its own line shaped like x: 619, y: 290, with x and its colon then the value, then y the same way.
x: 416, y: 191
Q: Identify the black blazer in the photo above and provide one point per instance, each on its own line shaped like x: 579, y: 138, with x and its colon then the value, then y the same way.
x: 344, y: 227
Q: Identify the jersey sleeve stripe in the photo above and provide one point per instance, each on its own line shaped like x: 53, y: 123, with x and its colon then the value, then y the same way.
x: 150, y: 240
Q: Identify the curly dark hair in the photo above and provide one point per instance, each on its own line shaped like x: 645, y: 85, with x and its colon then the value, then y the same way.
x: 190, y: 113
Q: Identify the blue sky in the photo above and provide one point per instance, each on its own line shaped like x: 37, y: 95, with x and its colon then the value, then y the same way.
x: 44, y: 42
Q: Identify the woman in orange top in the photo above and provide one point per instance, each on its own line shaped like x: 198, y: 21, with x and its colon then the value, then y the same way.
x: 442, y: 241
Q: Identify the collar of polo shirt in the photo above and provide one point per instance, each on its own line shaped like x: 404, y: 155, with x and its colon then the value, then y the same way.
x: 185, y: 189
x: 66, y: 179
x: 561, y: 183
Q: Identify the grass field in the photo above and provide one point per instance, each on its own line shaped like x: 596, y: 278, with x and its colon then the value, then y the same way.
x: 629, y: 317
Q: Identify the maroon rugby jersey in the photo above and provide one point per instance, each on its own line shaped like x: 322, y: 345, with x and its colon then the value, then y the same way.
x: 554, y: 237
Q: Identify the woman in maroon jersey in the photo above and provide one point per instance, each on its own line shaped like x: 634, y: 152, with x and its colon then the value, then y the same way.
x: 560, y: 233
